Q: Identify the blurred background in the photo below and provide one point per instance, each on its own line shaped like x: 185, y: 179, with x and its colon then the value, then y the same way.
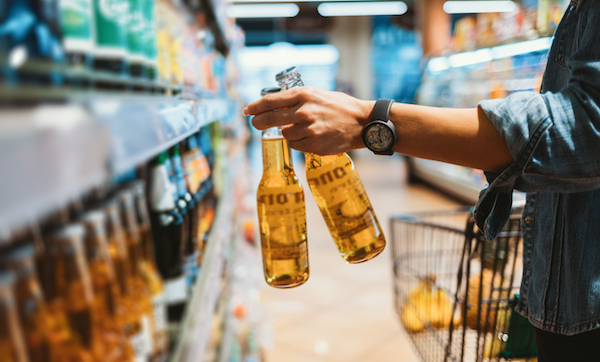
x: 128, y: 175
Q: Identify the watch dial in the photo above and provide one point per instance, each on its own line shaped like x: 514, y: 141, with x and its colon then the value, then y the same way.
x: 379, y: 137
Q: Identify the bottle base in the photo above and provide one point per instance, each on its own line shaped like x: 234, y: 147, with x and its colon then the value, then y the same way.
x: 285, y: 282
x: 363, y: 255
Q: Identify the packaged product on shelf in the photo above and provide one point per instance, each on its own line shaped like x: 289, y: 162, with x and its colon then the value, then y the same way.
x: 163, y: 39
x: 143, y: 286
x: 135, y: 313
x: 71, y: 292
x: 281, y: 214
x: 189, y: 49
x: 175, y: 29
x: 45, y: 334
x: 110, y: 50
x: 188, y: 205
x: 30, y: 43
x: 135, y: 28
x: 12, y: 344
x: 341, y: 197
x: 149, y: 38
x: 168, y: 231
x: 549, y: 13
x: 77, y: 25
x: 150, y: 272
x: 105, y: 287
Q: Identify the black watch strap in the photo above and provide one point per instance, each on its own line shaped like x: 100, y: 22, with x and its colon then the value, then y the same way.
x: 381, y: 111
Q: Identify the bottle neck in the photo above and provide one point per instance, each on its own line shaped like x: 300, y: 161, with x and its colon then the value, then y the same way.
x: 290, y: 82
x: 276, y: 155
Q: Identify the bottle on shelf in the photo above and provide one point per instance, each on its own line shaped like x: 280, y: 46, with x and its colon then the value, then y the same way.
x: 186, y: 204
x: 193, y: 177
x: 167, y: 228
x: 134, y: 315
x: 71, y: 292
x: 281, y: 214
x: 110, y: 48
x: 104, y: 283
x: 145, y: 285
x: 341, y: 196
x: 149, y: 38
x: 150, y: 272
x: 134, y: 29
x: 47, y: 336
x: 77, y: 26
x: 12, y: 343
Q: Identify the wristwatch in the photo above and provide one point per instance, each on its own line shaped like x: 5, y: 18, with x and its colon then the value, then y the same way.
x: 380, y: 134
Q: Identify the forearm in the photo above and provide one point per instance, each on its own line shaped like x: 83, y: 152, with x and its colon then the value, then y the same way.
x: 459, y: 136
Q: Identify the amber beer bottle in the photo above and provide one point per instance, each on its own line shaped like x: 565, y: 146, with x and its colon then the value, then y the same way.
x: 48, y: 336
x: 12, y: 345
x: 150, y: 272
x: 104, y: 282
x: 341, y: 197
x: 281, y: 214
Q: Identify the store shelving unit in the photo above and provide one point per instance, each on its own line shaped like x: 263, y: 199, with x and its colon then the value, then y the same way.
x: 51, y: 153
x: 464, y: 79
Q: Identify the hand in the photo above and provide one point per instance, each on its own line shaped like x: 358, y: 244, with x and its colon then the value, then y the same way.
x: 313, y: 120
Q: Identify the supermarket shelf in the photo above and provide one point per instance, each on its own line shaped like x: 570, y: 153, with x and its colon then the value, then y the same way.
x: 48, y: 154
x: 52, y: 153
x: 429, y: 171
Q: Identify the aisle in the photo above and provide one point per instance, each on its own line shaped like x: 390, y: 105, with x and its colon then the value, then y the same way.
x: 344, y: 313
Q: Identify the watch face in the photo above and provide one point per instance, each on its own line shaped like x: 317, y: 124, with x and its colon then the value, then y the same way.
x: 379, y: 137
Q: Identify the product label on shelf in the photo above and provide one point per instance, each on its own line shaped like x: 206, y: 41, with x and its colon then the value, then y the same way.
x: 77, y: 24
x: 176, y: 290
x: 111, y: 21
x: 135, y: 28
x: 141, y: 342
x: 159, y: 306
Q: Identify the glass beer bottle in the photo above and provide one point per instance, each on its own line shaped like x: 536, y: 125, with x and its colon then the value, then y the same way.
x: 12, y: 345
x: 150, y: 272
x: 281, y: 214
x: 106, y: 290
x: 341, y: 197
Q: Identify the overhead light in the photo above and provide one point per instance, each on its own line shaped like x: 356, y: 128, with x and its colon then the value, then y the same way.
x: 263, y: 11
x: 476, y: 7
x: 438, y: 64
x: 288, y: 1
x: 362, y: 8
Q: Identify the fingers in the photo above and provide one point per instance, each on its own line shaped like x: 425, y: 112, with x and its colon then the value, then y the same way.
x: 274, y: 118
x: 285, y: 99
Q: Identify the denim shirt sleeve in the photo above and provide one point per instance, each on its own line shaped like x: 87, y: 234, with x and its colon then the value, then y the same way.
x: 554, y: 137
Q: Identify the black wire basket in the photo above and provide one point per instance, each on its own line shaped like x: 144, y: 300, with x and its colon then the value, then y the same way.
x: 454, y: 290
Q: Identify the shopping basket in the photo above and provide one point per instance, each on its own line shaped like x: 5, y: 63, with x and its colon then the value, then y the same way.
x: 454, y: 291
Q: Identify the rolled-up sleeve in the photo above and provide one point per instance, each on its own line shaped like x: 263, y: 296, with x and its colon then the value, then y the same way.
x: 553, y: 137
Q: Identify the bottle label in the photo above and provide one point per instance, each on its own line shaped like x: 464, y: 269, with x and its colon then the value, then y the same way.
x: 77, y: 24
x: 162, y: 191
x: 111, y: 21
x: 282, y: 219
x: 149, y: 34
x: 341, y: 198
x: 140, y: 342
x: 159, y: 306
x: 135, y: 28
x: 176, y: 290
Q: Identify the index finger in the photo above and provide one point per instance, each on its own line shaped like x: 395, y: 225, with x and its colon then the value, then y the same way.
x: 270, y: 102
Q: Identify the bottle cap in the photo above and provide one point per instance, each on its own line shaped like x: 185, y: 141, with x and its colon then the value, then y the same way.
x: 269, y: 90
x: 286, y: 74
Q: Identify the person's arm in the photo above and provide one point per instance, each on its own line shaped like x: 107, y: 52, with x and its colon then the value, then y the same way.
x: 323, y: 122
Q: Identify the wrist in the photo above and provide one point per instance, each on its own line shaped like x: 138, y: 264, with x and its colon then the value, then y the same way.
x: 366, y: 109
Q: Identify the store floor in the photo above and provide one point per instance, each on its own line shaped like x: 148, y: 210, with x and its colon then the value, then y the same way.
x: 345, y: 313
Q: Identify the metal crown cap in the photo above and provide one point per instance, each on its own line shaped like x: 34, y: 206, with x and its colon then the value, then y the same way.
x: 269, y: 90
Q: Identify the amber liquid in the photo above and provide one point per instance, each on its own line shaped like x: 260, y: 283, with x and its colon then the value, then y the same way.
x: 344, y: 204
x: 282, y: 218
